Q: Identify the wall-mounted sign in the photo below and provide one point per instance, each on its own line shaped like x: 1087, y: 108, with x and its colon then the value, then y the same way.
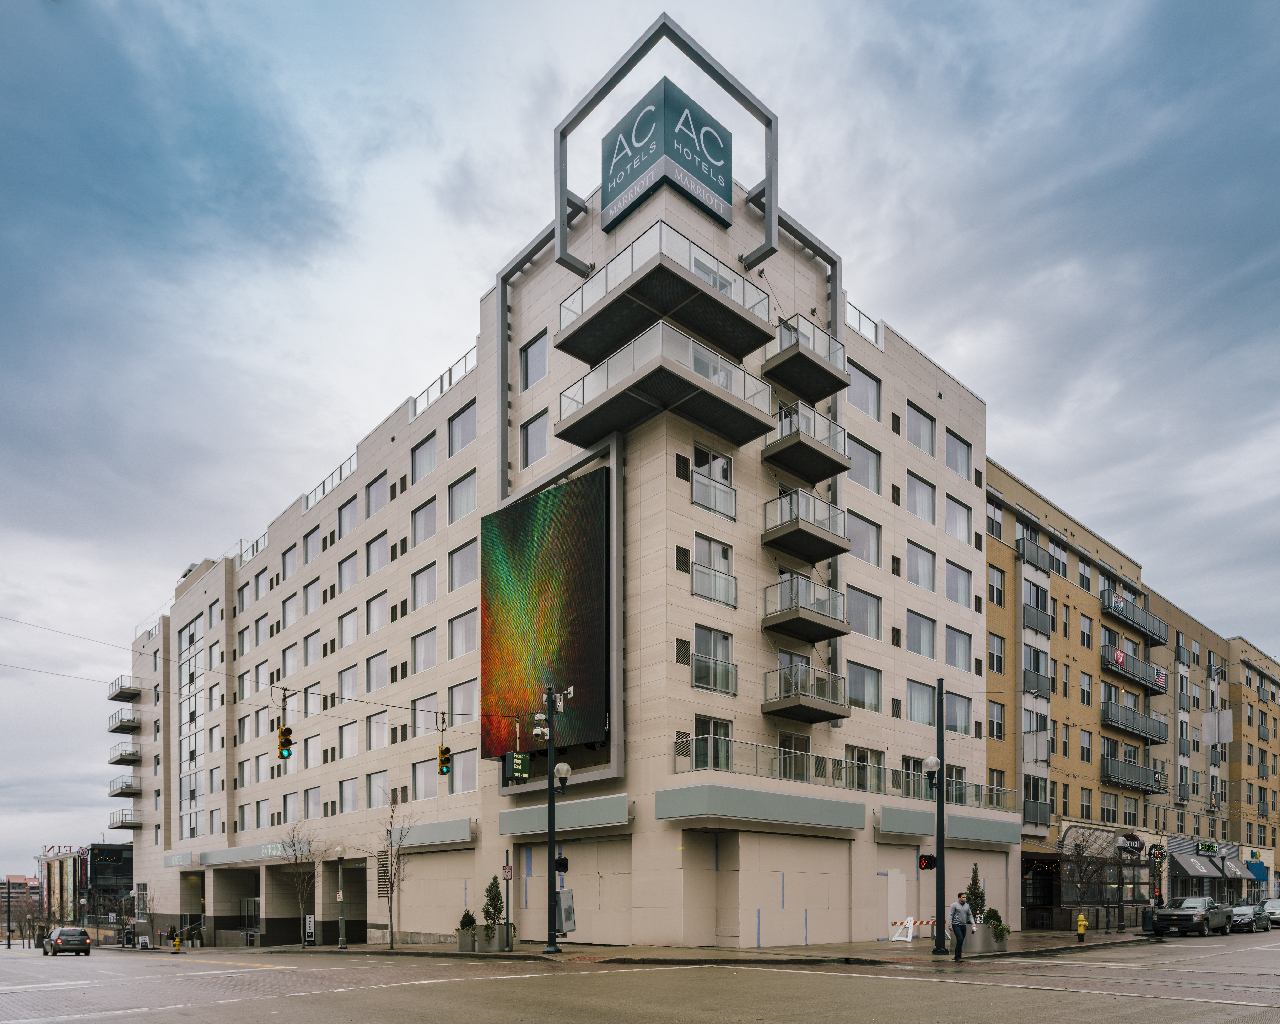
x: 1205, y: 847
x: 666, y: 137
x: 1155, y: 852
x: 1130, y: 843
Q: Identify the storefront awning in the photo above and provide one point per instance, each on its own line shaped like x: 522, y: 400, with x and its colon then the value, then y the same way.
x: 1197, y: 867
x: 1257, y: 869
x: 1233, y: 869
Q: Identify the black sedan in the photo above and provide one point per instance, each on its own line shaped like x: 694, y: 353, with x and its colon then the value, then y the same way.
x: 1250, y: 918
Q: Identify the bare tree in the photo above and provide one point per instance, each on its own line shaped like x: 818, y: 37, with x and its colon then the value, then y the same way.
x: 390, y: 857
x: 305, y: 855
x: 1092, y: 866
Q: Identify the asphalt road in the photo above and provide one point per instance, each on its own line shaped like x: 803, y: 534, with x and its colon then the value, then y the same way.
x: 1234, y: 978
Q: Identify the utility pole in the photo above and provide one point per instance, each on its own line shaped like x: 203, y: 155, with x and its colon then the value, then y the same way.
x: 8, y: 919
x: 552, y: 946
x: 940, y: 830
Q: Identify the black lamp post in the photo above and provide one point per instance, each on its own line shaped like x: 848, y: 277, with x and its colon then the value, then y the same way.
x: 552, y: 946
x: 341, y: 852
x: 936, y: 770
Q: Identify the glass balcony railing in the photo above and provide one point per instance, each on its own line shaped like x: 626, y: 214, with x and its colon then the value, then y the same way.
x: 126, y: 818
x: 344, y: 471
x: 124, y: 688
x: 801, y: 331
x: 712, y: 674
x: 124, y: 752
x: 800, y: 505
x: 664, y: 340
x: 798, y: 681
x: 124, y: 784
x: 715, y: 495
x: 798, y: 593
x: 125, y: 721
x: 860, y: 322
x: 662, y: 238
x: 714, y: 585
x: 802, y: 418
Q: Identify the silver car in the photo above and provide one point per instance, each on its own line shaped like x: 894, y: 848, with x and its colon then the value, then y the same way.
x: 1272, y: 908
x: 67, y: 939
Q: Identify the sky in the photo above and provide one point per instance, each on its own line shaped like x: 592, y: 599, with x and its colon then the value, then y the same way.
x: 234, y: 236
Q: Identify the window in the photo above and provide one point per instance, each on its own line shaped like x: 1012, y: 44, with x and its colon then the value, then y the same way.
x: 375, y: 672
x: 311, y: 648
x: 348, y: 796
x: 1086, y: 632
x: 920, y: 703
x: 995, y: 586
x: 348, y: 741
x: 959, y: 520
x: 347, y: 629
x: 261, y: 630
x: 424, y: 586
x: 242, y: 732
x: 376, y: 556
x: 289, y: 610
x: 261, y: 585
x: 312, y: 806
x: 1086, y: 576
x: 1086, y: 746
x: 348, y: 684
x: 958, y: 714
x: 920, y: 562
x: 261, y: 676
x: 462, y: 497
x: 347, y: 573
x: 311, y: 597
x: 376, y: 731
x: 425, y: 777
x: 376, y: 613
x: 424, y: 715
x: 375, y: 496
x: 864, y: 687
x: 311, y: 546
x: 464, y: 700
x: 959, y: 456
x: 1035, y: 660
x: 994, y: 520
x: 1195, y: 653
x: 462, y: 634
x: 920, y: 498
x: 959, y: 649
x: 866, y: 465
x: 462, y: 780
x: 959, y: 585
x: 995, y: 720
x: 864, y: 613
x: 1086, y: 803
x: 533, y: 362
x: 920, y: 429
x: 464, y: 565
x: 1110, y: 803
x: 462, y: 428
x: 864, y: 391
x: 289, y: 562
x: 995, y: 654
x: 289, y: 661
x: 261, y: 814
x: 864, y: 539
x: 533, y: 439
x: 1035, y: 595
x: 347, y: 518
x: 423, y: 458
x: 424, y: 651
x: 312, y: 755
x: 920, y: 634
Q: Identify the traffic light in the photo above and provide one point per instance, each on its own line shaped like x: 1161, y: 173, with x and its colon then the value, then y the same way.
x: 562, y: 864
x: 286, y: 742
x: 928, y: 862
x: 444, y: 765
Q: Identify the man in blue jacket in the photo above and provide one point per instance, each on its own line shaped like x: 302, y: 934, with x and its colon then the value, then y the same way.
x: 960, y: 917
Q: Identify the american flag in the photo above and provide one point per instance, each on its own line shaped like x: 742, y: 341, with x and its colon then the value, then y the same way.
x: 1162, y: 677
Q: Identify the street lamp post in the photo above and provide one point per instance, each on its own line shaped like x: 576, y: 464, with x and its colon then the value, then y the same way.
x: 552, y: 946
x: 341, y: 852
x: 936, y: 769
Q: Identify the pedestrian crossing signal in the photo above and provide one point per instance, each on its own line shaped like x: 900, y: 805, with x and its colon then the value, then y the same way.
x: 444, y: 762
x: 928, y: 862
x: 286, y: 742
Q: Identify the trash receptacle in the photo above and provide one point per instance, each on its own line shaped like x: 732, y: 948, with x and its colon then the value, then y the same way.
x: 1148, y: 919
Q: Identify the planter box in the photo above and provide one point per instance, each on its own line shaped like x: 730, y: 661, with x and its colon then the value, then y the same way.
x: 495, y: 945
x: 980, y: 940
x: 466, y: 940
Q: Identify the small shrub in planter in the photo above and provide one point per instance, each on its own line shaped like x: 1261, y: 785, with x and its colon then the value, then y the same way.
x: 468, y: 921
x: 493, y: 908
x: 467, y: 931
x: 999, y: 931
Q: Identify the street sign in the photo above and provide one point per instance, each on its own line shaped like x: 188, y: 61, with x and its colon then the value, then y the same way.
x: 111, y: 918
x: 311, y: 930
x: 506, y: 872
x: 339, y: 896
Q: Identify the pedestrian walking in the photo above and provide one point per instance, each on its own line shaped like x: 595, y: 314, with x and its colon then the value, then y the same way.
x: 960, y: 917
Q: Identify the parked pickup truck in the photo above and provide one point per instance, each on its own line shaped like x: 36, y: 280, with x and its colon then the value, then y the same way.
x: 1192, y: 914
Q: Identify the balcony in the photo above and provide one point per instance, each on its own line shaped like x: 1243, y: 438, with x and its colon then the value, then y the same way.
x: 1116, y: 605
x: 127, y: 720
x: 1182, y: 656
x: 1037, y: 620
x: 806, y: 444
x: 714, y: 496
x: 1153, y: 678
x: 1262, y: 768
x: 663, y: 275
x: 804, y: 694
x: 712, y: 674
x: 124, y: 688
x: 714, y: 585
x: 126, y: 818
x: 665, y: 370
x: 1035, y: 813
x: 1184, y: 701
x: 805, y: 360
x: 1264, y: 811
x: 804, y: 527
x: 1264, y: 734
x: 1130, y: 775
x: 1184, y: 793
x: 127, y: 753
x: 125, y: 786
x: 1030, y: 552
x: 1129, y: 720
x: 1036, y: 684
x: 1214, y: 757
x: 804, y: 610
x: 1184, y: 747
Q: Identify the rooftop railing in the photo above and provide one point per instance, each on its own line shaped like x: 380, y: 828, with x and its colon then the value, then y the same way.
x: 444, y: 382
x: 250, y: 549
x: 329, y: 483
x: 664, y: 340
x: 797, y: 681
x: 800, y: 505
x: 802, y: 418
x: 860, y: 322
x: 798, y: 593
x: 801, y: 331
x: 662, y: 238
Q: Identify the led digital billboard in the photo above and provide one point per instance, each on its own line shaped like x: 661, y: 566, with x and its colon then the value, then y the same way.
x: 544, y: 615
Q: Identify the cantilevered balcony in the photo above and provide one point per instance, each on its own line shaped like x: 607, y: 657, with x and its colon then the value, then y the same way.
x: 1153, y: 678
x: 127, y: 720
x: 806, y: 444
x: 127, y: 753
x: 1130, y: 720
x: 126, y: 818
x: 1032, y: 553
x: 125, y: 786
x: 1116, y: 605
x: 804, y: 526
x: 663, y: 275
x: 804, y: 610
x: 124, y: 688
x: 1130, y: 775
x: 804, y: 694
x: 665, y: 370
x: 805, y: 360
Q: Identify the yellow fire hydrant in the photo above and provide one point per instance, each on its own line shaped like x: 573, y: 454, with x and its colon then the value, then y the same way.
x: 177, y: 943
x: 1081, y: 926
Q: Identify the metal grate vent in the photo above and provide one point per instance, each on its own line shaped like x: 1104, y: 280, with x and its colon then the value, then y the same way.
x: 682, y: 467
x: 682, y: 651
x: 682, y: 559
x: 897, y: 708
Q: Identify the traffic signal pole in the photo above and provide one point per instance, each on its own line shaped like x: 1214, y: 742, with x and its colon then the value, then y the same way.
x: 552, y: 946
x: 940, y: 830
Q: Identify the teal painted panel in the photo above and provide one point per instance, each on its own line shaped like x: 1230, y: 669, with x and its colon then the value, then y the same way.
x: 713, y: 801
x: 967, y: 827
x: 449, y: 831
x: 586, y: 814
x: 907, y: 820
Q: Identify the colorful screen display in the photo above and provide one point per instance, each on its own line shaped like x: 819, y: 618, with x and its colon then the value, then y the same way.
x: 544, y: 615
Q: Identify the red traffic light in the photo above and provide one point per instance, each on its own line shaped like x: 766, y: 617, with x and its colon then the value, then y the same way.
x: 928, y: 862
